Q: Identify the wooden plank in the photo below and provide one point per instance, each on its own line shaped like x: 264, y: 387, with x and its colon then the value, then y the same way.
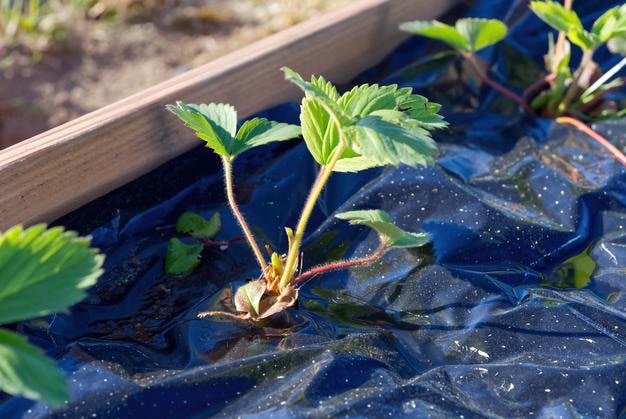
x: 56, y: 172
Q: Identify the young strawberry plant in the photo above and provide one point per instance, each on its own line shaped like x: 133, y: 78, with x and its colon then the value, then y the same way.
x: 42, y: 271
x: 368, y: 126
x: 569, y: 95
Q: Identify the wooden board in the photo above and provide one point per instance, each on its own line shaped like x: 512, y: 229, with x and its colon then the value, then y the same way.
x: 56, y: 172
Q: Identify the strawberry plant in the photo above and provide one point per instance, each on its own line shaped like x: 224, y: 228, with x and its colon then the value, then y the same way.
x: 368, y: 126
x: 569, y: 95
x: 42, y: 271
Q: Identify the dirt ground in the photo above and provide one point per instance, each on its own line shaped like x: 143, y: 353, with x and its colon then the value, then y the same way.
x: 104, y: 61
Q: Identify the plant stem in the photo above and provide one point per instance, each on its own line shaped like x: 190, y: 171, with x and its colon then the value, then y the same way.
x: 342, y: 264
x: 537, y: 85
x: 617, y: 154
x: 471, y: 59
x: 230, y: 194
x: 573, y: 89
x: 560, y: 40
x: 316, y: 190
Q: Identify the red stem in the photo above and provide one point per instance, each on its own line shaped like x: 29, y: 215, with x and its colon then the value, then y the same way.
x: 619, y: 156
x: 342, y: 264
x: 495, y: 85
x: 536, y: 85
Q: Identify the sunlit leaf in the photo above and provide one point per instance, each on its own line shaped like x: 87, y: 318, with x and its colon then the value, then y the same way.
x: 44, y: 271
x: 260, y: 131
x: 389, y: 233
x: 198, y: 226
x: 26, y: 371
x: 182, y: 258
x: 556, y: 15
x: 215, y: 123
x: 481, y: 33
x: 611, y: 24
x: 437, y: 30
x: 387, y: 143
x: 469, y: 34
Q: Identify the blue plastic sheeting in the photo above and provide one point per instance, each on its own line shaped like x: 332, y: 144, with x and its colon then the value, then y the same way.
x: 515, y: 310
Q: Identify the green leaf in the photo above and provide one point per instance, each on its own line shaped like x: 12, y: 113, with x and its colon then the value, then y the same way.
x: 248, y: 297
x: 355, y: 164
x: 182, y: 258
x: 557, y: 16
x: 481, y: 33
x: 611, y: 24
x: 424, y: 112
x: 198, y: 226
x: 26, y: 371
x: 259, y: 131
x: 364, y: 99
x: 214, y: 123
x: 389, y: 233
x: 469, y: 34
x: 567, y: 21
x: 385, y: 143
x: 314, y: 91
x: 44, y: 271
x: 437, y: 30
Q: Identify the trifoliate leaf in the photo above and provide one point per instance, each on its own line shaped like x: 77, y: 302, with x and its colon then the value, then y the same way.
x: 389, y: 233
x: 214, y: 123
x: 44, y: 271
x: 182, y: 258
x: 469, y: 34
x: 556, y: 15
x: 389, y: 144
x: 259, y: 131
x: 481, y: 33
x: 437, y: 30
x: 26, y: 371
x: 248, y: 297
x: 198, y: 226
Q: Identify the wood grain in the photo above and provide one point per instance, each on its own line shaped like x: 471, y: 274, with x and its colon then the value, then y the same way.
x: 56, y: 172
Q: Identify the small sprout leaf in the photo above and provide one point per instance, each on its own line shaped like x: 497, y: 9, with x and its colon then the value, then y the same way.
x: 44, y: 271
x: 26, y: 371
x: 277, y: 263
x: 389, y: 233
x: 617, y: 45
x: 199, y: 227
x: 248, y: 297
x: 481, y: 33
x: 436, y: 30
x: 260, y: 131
x: 214, y: 123
x: 182, y: 258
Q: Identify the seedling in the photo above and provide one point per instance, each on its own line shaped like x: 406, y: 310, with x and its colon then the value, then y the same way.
x: 42, y: 271
x: 368, y: 126
x: 566, y: 95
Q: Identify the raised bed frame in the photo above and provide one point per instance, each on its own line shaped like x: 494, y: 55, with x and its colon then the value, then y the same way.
x: 58, y: 171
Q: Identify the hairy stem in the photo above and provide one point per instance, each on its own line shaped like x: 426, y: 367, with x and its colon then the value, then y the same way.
x: 230, y: 194
x: 617, y: 154
x: 342, y: 264
x: 316, y: 190
x: 471, y: 59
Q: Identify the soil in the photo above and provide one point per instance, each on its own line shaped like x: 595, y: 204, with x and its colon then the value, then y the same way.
x: 104, y: 60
